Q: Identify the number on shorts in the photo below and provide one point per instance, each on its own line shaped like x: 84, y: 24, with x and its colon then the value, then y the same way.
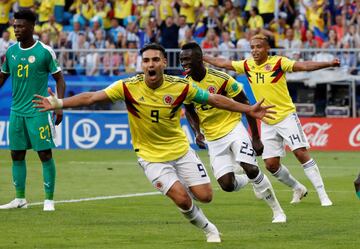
x: 293, y: 138
x: 44, y: 132
x: 202, y: 170
x: 245, y: 149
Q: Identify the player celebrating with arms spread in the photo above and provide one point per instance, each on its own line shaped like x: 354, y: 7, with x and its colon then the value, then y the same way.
x: 227, y: 139
x: 266, y: 76
x: 153, y: 101
x: 29, y: 63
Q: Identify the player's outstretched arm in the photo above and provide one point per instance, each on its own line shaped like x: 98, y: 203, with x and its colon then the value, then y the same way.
x: 82, y: 99
x: 219, y: 62
x: 314, y: 65
x: 194, y: 122
x: 256, y: 111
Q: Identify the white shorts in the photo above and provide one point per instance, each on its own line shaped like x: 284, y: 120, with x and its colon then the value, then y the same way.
x: 229, y: 151
x: 188, y: 169
x: 287, y: 132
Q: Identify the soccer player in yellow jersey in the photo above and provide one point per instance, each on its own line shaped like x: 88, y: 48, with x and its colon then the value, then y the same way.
x: 266, y: 75
x: 227, y: 139
x: 153, y: 101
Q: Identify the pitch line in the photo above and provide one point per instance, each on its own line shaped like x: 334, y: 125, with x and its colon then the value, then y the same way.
x: 154, y: 193
x: 99, y: 198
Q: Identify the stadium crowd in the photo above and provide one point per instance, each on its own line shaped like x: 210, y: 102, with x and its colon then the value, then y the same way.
x: 214, y: 24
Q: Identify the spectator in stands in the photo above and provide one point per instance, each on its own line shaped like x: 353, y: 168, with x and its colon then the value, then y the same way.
x: 165, y: 8
x: 44, y: 38
x: 5, y: 7
x: 116, y: 29
x: 5, y: 42
x: 59, y: 11
x: 255, y: 21
x: 348, y: 60
x: 92, y: 61
x: 226, y: 10
x: 130, y: 57
x: 212, y: 20
x: 188, y: 8
x: 99, y: 39
x: 25, y: 4
x: 102, y: 11
x: 211, y: 40
x: 277, y: 29
x: 234, y: 24
x: 122, y: 9
x: 226, y: 45
x: 131, y: 34
x: 188, y: 37
x: 323, y: 55
x: 144, y: 11
x: 244, y: 45
x: 266, y: 10
x: 183, y: 27
x: 338, y: 27
x: 80, y: 55
x: 74, y: 35
x: 111, y: 61
x: 351, y: 37
x: 333, y: 43
x: 65, y: 59
x: 84, y: 11
x: 52, y: 28
x: 169, y: 29
x: 293, y: 46
x: 44, y: 10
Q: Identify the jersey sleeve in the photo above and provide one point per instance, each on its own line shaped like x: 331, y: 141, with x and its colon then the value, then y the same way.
x: 287, y: 64
x: 115, y: 91
x: 53, y: 65
x: 238, y: 66
x: 196, y: 94
x: 233, y: 87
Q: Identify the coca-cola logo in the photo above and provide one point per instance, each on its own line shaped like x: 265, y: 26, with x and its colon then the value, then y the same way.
x: 316, y: 133
x: 354, y: 138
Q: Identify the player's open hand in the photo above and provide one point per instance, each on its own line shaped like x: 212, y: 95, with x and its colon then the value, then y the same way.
x: 200, y: 141
x: 335, y: 62
x: 260, y: 112
x: 47, y: 103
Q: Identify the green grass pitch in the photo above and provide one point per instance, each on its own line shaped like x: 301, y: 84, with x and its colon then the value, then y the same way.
x: 154, y: 222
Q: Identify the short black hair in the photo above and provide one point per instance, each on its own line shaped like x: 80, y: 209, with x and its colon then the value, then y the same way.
x: 194, y: 47
x: 25, y: 14
x: 153, y: 46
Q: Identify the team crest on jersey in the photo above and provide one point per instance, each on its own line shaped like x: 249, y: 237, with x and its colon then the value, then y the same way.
x: 31, y: 59
x: 168, y: 99
x: 268, y: 67
x: 158, y: 185
x: 211, y: 89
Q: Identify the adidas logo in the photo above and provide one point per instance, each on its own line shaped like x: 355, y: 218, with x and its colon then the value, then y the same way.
x: 141, y: 99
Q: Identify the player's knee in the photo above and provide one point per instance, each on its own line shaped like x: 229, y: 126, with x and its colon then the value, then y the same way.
x: 183, y: 202
x: 18, y: 155
x: 205, y: 198
x: 226, y: 183
x: 45, y: 155
x: 251, y: 170
x: 302, y: 154
x: 272, y: 165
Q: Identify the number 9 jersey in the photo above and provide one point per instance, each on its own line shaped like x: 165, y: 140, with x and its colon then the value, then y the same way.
x: 154, y: 115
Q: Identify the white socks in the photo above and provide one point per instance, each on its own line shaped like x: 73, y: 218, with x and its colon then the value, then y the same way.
x: 240, y: 181
x: 312, y: 172
x: 284, y: 176
x: 263, y: 188
x: 196, y: 216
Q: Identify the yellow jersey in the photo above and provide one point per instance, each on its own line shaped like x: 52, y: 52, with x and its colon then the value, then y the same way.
x: 122, y: 8
x: 216, y: 123
x: 268, y: 81
x: 5, y: 8
x: 189, y: 11
x: 26, y: 3
x: 266, y: 6
x: 154, y: 115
